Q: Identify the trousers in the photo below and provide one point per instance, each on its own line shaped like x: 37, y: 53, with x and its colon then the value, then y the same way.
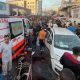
x: 6, y: 67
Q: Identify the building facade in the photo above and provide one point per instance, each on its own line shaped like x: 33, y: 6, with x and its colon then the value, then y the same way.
x: 4, y: 9
x: 65, y: 8
x: 34, y: 5
x: 70, y: 8
x: 20, y: 3
x: 75, y: 11
x: 17, y: 10
x: 39, y: 10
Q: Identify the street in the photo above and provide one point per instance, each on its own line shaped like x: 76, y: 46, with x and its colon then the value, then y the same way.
x: 39, y: 39
x: 41, y: 69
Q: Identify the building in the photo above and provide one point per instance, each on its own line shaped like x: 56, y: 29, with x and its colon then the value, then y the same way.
x: 65, y: 8
x: 21, y: 3
x: 39, y: 4
x: 4, y: 9
x: 34, y: 5
x: 70, y: 8
x: 75, y: 11
x: 17, y: 10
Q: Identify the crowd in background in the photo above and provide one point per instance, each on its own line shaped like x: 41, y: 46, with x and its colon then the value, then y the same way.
x: 38, y: 34
x: 38, y: 23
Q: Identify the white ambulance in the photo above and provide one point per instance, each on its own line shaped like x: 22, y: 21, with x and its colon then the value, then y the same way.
x: 15, y: 27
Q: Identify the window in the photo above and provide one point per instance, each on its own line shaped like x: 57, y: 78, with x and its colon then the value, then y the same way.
x: 26, y: 24
x: 66, y: 42
x: 16, y: 29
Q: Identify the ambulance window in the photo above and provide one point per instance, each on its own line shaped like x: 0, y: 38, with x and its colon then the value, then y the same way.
x: 28, y: 24
x: 16, y: 29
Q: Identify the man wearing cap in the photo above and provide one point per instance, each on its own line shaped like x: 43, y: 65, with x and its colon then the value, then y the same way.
x: 71, y: 61
x: 6, y: 50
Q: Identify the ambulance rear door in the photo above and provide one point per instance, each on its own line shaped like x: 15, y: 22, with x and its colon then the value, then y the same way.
x: 17, y: 35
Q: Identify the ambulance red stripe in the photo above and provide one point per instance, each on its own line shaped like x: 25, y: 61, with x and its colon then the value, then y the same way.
x: 18, y: 45
x: 17, y: 53
x: 15, y: 48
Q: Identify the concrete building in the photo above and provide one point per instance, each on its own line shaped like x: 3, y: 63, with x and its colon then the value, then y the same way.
x: 34, y: 5
x: 75, y: 11
x: 21, y: 3
x: 4, y: 9
x: 65, y: 8
x: 70, y: 8
x: 17, y: 10
x: 39, y: 6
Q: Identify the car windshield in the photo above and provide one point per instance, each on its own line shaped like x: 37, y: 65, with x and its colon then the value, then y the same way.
x: 66, y: 42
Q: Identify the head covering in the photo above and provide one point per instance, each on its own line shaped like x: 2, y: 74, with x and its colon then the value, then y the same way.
x: 76, y: 50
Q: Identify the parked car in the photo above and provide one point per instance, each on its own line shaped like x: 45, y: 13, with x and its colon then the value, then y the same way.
x: 58, y: 41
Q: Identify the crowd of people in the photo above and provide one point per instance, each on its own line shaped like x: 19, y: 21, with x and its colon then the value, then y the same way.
x: 69, y: 61
x: 36, y: 36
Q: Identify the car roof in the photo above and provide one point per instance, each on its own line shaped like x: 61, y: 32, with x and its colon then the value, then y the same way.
x: 62, y: 31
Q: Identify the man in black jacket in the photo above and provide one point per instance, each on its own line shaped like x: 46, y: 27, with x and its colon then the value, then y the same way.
x: 70, y: 61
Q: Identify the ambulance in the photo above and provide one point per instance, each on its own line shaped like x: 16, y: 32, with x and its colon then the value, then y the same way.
x: 15, y: 27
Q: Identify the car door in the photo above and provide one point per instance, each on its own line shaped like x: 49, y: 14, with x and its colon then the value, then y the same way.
x: 49, y: 38
x: 50, y: 45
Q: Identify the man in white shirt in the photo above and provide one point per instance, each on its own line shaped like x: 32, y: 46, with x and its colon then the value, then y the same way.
x: 6, y: 50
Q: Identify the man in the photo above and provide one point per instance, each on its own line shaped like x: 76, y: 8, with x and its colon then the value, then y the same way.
x: 6, y: 50
x: 41, y: 37
x: 67, y: 74
x: 71, y: 61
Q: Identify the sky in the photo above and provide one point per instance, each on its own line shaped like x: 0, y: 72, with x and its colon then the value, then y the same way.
x: 48, y: 4
x: 51, y: 4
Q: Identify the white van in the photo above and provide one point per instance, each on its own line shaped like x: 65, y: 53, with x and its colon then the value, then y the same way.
x: 58, y: 41
x: 15, y: 27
